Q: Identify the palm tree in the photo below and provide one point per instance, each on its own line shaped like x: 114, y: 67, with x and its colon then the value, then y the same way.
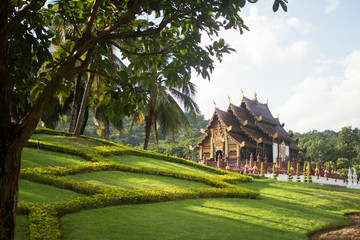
x: 163, y: 105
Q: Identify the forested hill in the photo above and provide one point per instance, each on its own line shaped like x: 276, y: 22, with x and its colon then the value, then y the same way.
x: 336, y: 149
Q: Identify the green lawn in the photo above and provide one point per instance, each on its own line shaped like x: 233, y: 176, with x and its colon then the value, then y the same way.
x: 134, y: 181
x: 155, y: 163
x: 284, y: 211
x: 22, y: 229
x: 41, y: 193
x: 67, y: 141
x: 32, y: 158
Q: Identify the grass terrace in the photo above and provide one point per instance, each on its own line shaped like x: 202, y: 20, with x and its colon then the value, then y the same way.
x: 116, y: 192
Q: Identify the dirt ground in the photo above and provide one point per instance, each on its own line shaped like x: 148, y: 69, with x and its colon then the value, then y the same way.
x: 349, y: 232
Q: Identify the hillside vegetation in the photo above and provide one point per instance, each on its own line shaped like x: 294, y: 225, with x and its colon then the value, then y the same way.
x: 87, y: 188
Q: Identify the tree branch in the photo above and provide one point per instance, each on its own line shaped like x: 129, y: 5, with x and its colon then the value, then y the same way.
x: 92, y: 17
x: 151, y: 31
x: 138, y: 53
x: 24, y: 12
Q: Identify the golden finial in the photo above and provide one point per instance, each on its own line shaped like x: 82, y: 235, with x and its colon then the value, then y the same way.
x: 242, y: 92
x: 255, y: 96
x: 267, y: 101
x: 229, y: 100
x: 214, y: 103
x: 278, y: 116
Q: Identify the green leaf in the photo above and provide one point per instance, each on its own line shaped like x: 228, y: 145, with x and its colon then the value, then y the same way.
x: 183, y: 51
x: 283, y: 6
x: 276, y: 5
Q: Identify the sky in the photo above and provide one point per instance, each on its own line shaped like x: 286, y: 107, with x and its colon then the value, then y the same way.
x: 305, y: 63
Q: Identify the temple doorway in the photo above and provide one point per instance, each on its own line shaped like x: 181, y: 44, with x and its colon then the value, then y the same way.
x: 218, y: 153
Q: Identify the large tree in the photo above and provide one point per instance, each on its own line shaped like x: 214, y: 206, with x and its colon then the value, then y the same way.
x: 26, y: 60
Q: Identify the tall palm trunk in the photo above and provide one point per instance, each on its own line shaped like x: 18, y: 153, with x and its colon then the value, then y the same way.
x: 76, y: 103
x: 148, y: 122
x: 84, y: 102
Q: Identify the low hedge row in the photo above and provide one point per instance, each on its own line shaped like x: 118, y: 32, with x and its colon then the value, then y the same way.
x: 44, y: 219
x: 138, y: 152
x: 91, y: 155
x: 51, y: 175
x: 114, y: 149
x: 115, y: 198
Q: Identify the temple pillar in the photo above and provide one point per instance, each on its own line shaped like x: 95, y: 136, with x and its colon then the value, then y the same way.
x: 280, y: 162
x: 211, y: 143
x: 201, y: 152
x: 226, y: 144
x: 265, y: 163
x: 251, y: 160
x: 238, y: 160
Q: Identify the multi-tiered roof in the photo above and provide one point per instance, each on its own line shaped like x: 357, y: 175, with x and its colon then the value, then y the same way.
x: 250, y: 124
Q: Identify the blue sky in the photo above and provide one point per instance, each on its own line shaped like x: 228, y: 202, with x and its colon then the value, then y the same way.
x: 306, y: 62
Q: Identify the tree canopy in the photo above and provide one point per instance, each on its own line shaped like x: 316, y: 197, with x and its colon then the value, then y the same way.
x: 45, y: 45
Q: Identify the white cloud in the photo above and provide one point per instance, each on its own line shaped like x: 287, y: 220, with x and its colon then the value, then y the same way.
x: 322, y: 103
x: 332, y: 5
x: 265, y: 61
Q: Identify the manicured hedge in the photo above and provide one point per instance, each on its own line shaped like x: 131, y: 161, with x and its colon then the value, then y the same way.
x: 50, y: 175
x: 43, y: 221
x: 118, y: 149
x: 44, y: 218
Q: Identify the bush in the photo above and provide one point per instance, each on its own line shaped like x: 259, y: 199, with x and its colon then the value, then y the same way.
x: 43, y: 224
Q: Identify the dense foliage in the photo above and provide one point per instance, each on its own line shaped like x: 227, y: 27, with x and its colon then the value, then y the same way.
x: 339, y: 150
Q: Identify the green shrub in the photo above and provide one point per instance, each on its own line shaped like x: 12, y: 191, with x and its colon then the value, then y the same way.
x: 274, y: 176
x: 43, y: 224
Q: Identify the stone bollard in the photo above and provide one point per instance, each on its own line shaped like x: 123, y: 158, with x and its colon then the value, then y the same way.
x: 354, y: 176
x: 350, y: 178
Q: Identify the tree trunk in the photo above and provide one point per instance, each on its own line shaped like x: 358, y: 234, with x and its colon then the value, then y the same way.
x: 148, y: 122
x: 83, y: 125
x: 10, y: 155
x: 83, y: 107
x: 76, y: 103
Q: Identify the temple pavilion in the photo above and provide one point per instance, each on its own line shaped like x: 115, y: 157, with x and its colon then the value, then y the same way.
x: 242, y: 137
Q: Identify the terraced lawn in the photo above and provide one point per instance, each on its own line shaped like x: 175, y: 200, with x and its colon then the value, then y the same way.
x: 139, y: 161
x: 41, y: 193
x: 32, y: 158
x: 284, y: 211
x: 134, y: 181
x: 67, y: 141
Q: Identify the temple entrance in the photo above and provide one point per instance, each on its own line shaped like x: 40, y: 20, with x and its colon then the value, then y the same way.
x: 218, y: 152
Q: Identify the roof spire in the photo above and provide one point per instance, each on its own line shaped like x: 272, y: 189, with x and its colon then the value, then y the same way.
x: 242, y: 92
x: 229, y: 99
x: 214, y: 103
x: 267, y: 101
x: 255, y: 97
